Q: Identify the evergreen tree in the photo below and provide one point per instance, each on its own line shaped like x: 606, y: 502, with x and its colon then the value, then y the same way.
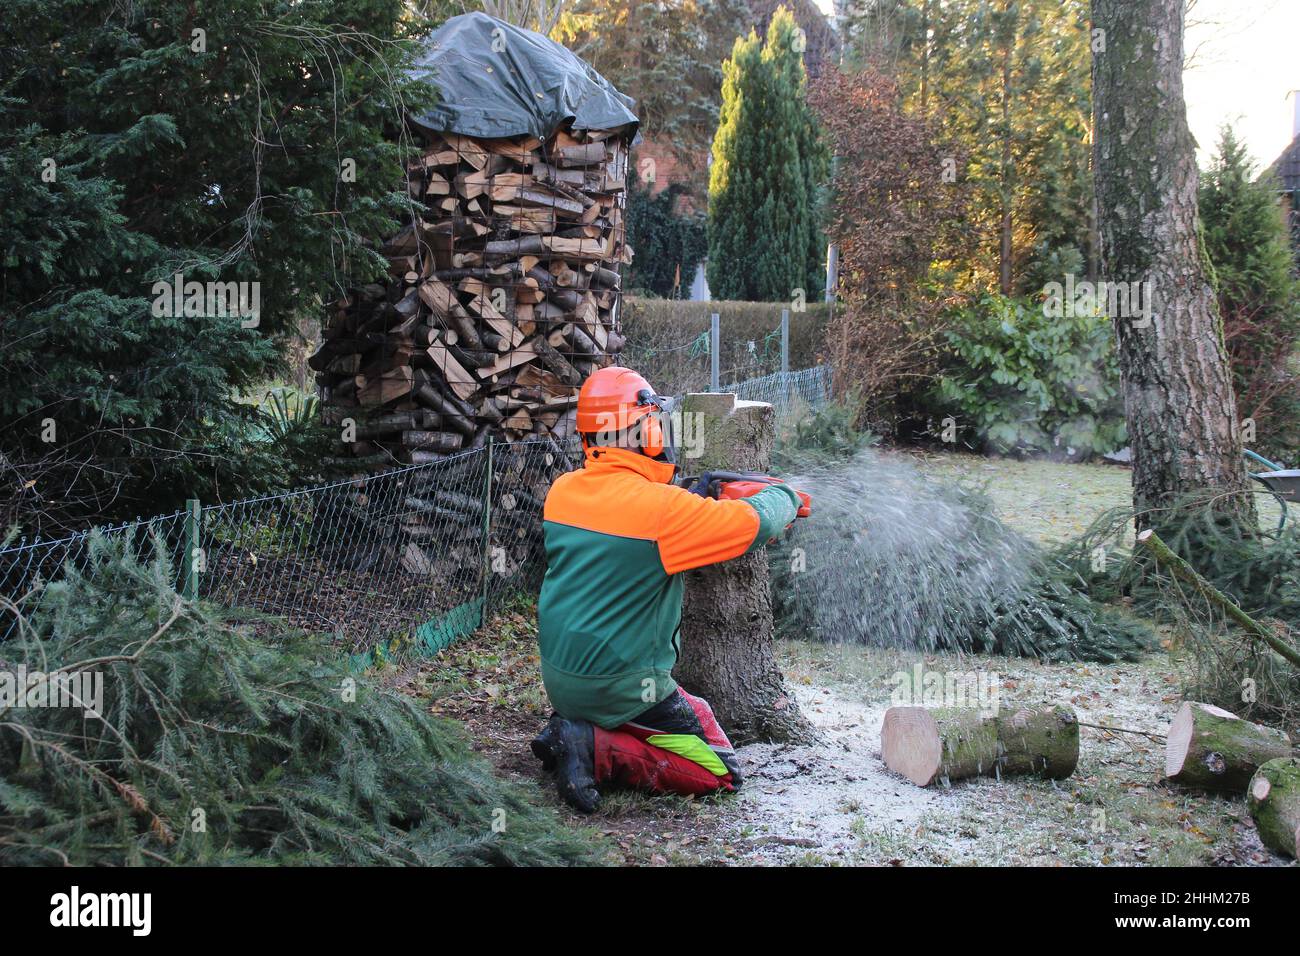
x: 1245, y: 237
x: 765, y: 236
x: 239, y: 141
x: 222, y: 740
x: 667, y: 246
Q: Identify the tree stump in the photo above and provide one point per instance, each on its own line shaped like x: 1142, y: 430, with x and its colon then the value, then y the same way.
x: 1211, y: 749
x: 727, y: 634
x: 1274, y: 799
x: 952, y: 743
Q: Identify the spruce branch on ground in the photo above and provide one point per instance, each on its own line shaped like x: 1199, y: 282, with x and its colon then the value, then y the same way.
x: 219, y: 746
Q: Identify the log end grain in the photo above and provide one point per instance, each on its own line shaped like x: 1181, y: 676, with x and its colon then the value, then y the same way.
x: 910, y: 744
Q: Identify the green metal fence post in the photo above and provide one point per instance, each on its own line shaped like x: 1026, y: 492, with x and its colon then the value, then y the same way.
x: 785, y: 359
x: 193, y: 531
x: 486, y: 566
x: 715, y: 348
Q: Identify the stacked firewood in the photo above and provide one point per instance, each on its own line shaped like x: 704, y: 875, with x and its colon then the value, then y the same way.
x: 503, y: 298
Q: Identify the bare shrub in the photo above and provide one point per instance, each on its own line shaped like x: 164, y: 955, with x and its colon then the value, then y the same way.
x: 897, y: 218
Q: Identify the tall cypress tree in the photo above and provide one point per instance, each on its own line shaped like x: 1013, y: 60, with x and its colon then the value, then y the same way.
x: 768, y: 166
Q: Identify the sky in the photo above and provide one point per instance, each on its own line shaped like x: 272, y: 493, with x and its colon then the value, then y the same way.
x: 1244, y: 61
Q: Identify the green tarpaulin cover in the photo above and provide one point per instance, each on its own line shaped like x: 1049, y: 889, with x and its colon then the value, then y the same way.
x: 496, y: 79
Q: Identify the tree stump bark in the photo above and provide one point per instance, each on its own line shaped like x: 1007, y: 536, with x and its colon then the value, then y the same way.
x: 946, y: 744
x: 727, y: 634
x: 1274, y: 800
x: 1211, y: 749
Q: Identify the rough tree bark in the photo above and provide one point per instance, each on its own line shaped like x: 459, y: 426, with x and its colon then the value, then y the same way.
x: 1178, y: 398
x: 727, y: 631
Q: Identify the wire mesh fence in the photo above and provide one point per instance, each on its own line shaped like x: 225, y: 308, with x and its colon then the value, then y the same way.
x: 668, y: 341
x: 793, y: 394
x: 393, y: 564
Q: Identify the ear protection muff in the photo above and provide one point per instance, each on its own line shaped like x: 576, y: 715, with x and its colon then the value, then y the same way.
x: 655, y: 428
x: 652, y: 435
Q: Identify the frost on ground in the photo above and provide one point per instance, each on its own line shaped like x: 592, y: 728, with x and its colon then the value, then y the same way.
x: 820, y: 801
x: 836, y: 803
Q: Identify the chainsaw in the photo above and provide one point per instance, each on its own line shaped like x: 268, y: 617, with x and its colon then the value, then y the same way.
x: 731, y: 485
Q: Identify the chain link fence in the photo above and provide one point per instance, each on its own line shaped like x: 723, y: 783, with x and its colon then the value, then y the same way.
x: 793, y: 394
x: 392, y: 564
x: 669, y: 341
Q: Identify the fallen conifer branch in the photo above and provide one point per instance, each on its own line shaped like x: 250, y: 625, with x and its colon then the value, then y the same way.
x: 1181, y: 569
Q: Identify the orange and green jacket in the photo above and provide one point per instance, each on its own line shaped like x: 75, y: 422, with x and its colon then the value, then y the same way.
x: 618, y: 536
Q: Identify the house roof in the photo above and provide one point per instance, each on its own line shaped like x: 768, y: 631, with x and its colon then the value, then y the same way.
x: 1287, y: 167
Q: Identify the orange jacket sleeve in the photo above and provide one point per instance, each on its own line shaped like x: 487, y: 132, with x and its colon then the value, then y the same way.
x: 696, y: 531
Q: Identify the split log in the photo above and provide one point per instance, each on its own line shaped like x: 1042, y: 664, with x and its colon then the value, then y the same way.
x: 442, y: 302
x: 415, y: 561
x: 396, y: 422
x: 1209, y: 748
x: 586, y: 155
x: 431, y: 440
x: 1274, y: 801
x: 385, y: 387
x: 454, y: 417
x: 605, y: 278
x: 946, y: 744
x: 556, y: 362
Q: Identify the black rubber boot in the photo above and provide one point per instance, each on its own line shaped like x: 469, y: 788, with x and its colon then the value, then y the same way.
x: 544, y: 744
x: 574, y: 747
x: 733, y: 765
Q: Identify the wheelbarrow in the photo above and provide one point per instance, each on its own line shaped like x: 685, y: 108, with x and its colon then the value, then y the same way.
x: 1282, y: 483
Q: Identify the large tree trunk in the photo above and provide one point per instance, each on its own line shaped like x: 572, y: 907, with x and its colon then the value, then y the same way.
x: 727, y: 632
x: 1178, y: 398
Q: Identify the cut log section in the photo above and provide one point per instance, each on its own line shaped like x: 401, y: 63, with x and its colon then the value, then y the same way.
x: 941, y: 745
x: 1274, y: 800
x: 1209, y: 748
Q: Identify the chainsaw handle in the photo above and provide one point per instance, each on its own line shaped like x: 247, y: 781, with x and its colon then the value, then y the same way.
x: 704, y: 483
x: 708, y: 484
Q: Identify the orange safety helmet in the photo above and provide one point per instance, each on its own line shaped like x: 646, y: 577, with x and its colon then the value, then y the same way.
x: 615, y: 399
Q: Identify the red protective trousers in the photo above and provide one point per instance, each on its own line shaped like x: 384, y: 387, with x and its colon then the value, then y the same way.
x: 625, y: 755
